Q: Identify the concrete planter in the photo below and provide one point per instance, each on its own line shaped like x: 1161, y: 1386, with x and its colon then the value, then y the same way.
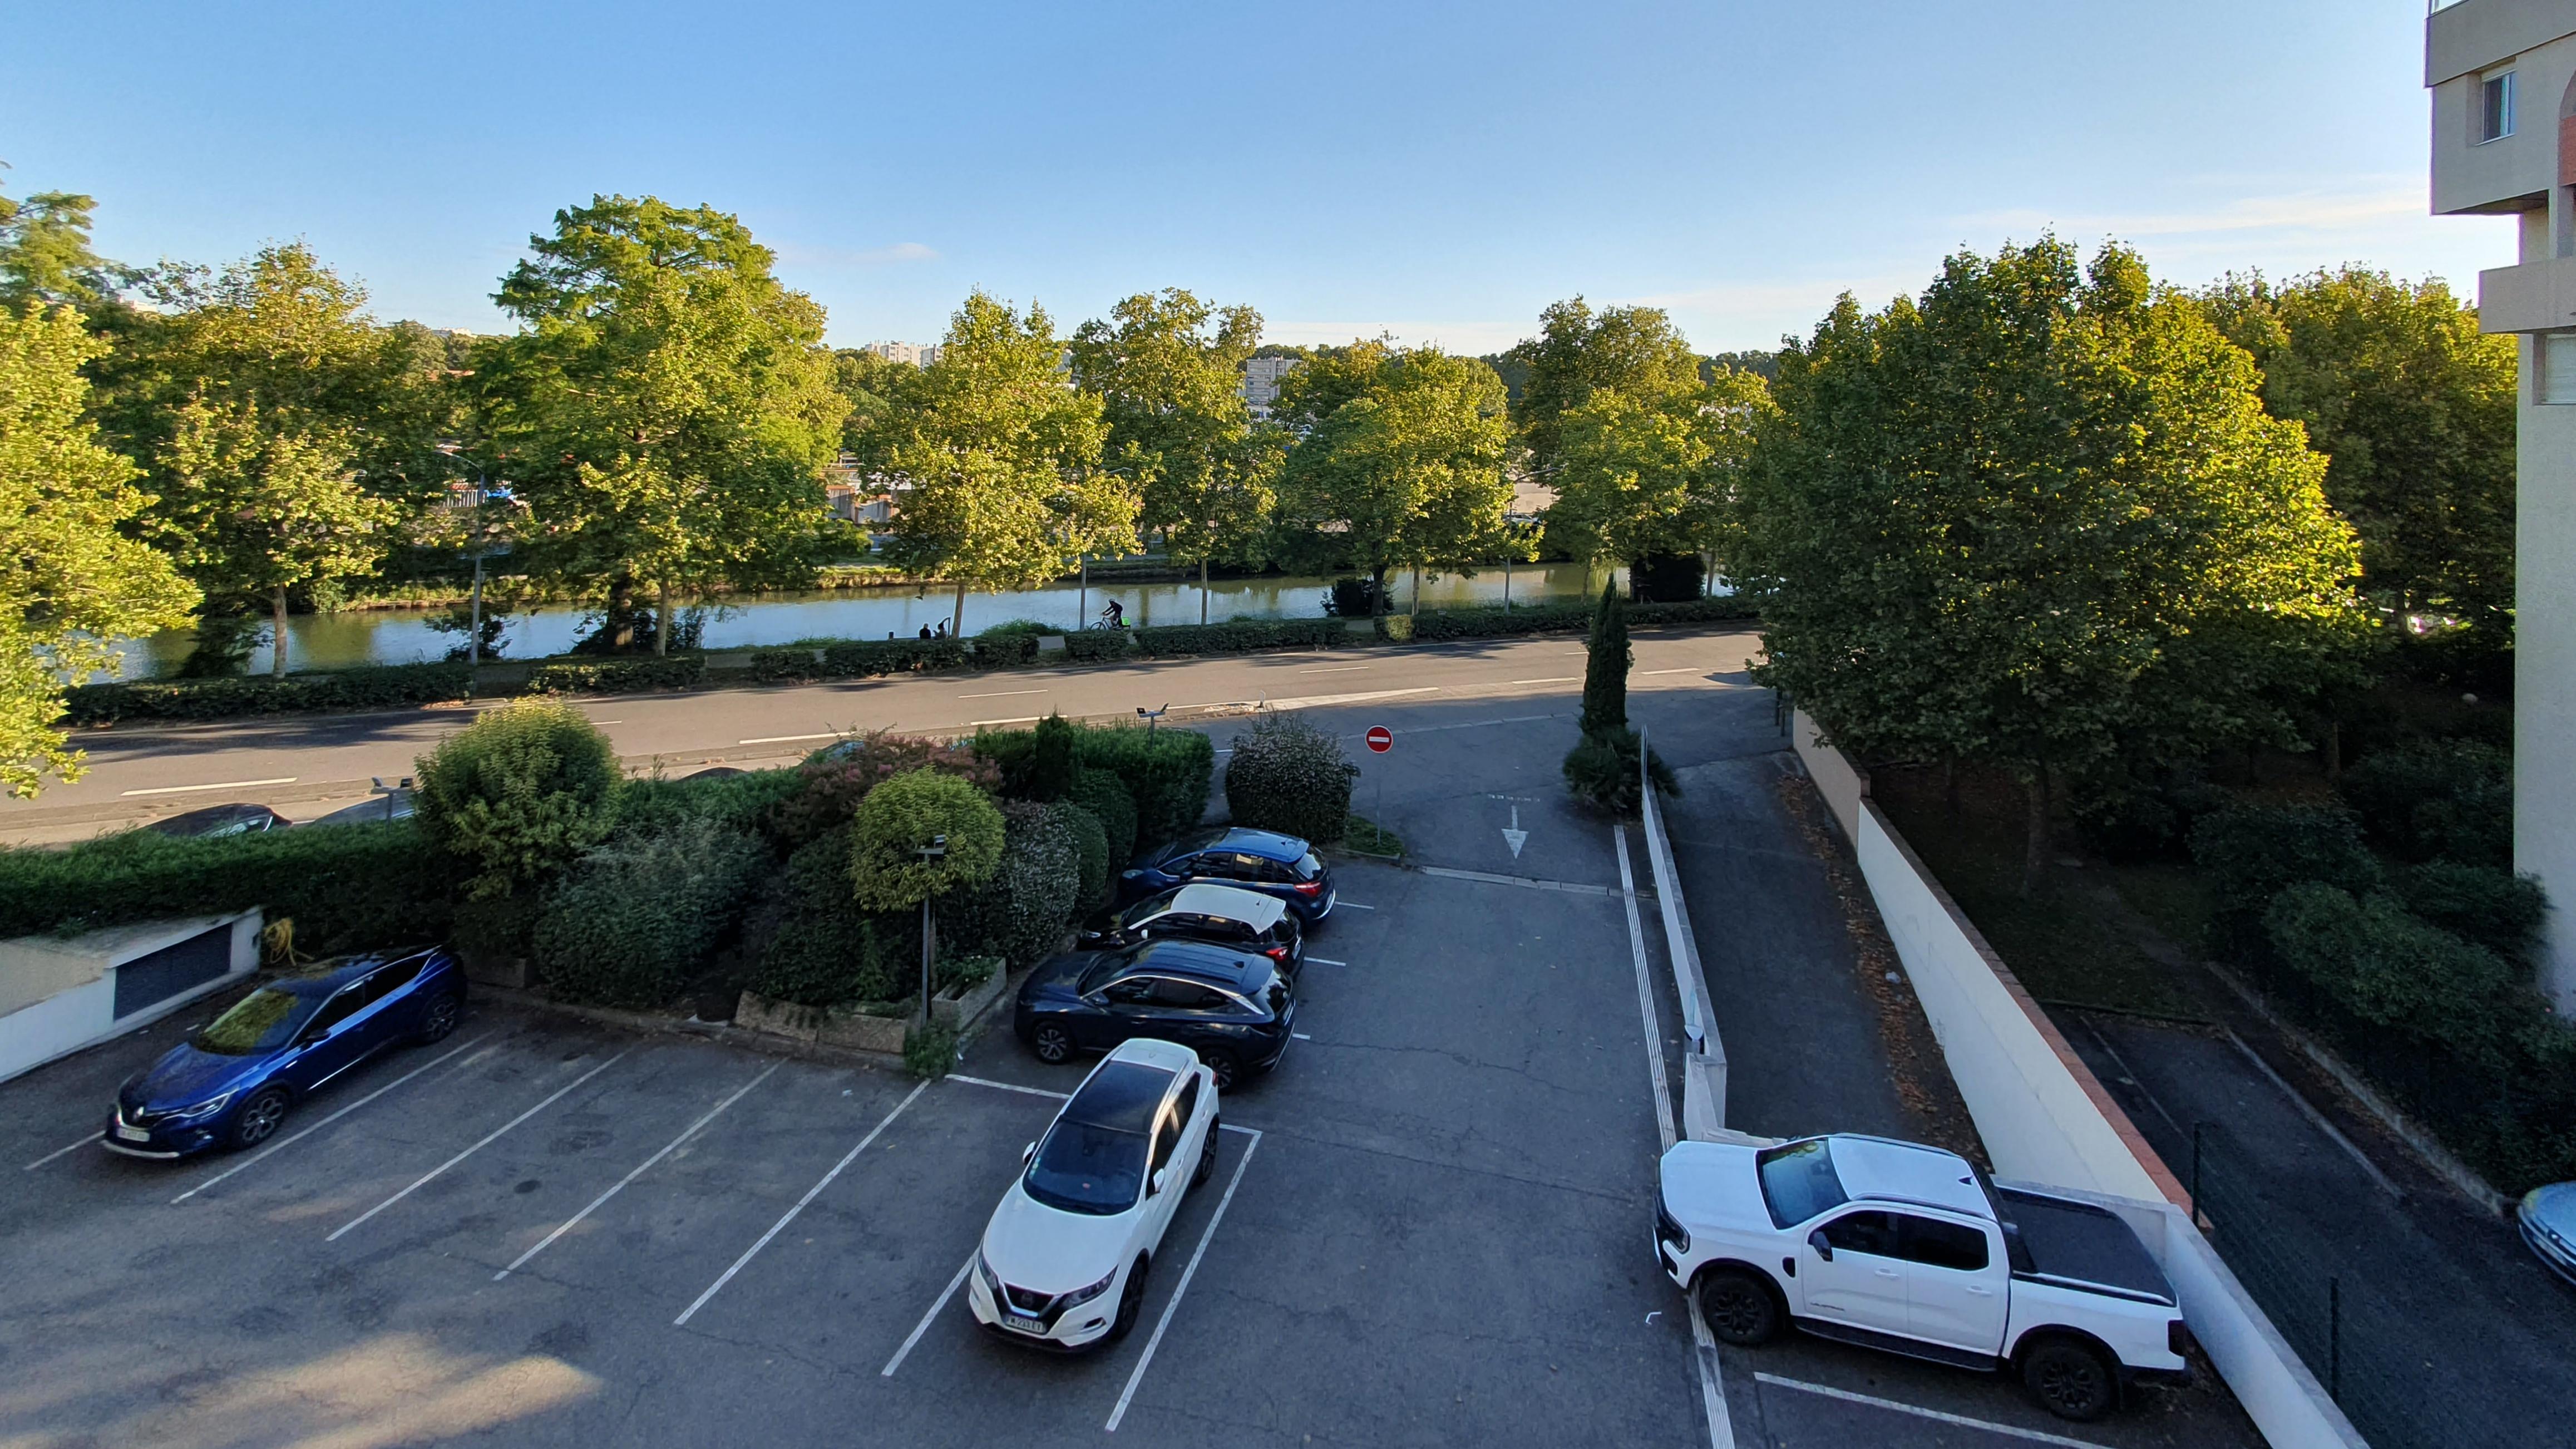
x: 778, y: 1018
x: 958, y: 1012
x: 863, y: 1032
x: 515, y: 972
x: 837, y: 1028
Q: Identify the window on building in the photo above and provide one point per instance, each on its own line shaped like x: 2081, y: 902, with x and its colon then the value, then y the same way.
x: 2495, y: 108
x: 2558, y: 367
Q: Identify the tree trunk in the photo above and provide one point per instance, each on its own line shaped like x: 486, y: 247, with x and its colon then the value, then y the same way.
x: 2034, y: 861
x: 957, y: 620
x: 662, y: 617
x: 1377, y: 592
x: 2332, y: 749
x: 1203, y: 602
x: 277, y: 650
x: 1413, y: 599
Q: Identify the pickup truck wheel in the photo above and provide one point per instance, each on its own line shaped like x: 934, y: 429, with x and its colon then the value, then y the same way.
x: 2070, y: 1379
x: 1738, y: 1307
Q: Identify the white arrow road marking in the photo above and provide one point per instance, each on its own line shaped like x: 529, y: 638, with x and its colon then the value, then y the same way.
x: 1514, y: 836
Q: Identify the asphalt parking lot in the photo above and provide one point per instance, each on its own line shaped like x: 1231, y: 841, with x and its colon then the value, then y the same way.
x: 1430, y: 1226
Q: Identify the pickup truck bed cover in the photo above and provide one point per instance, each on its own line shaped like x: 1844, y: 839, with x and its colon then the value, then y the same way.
x: 2077, y: 1244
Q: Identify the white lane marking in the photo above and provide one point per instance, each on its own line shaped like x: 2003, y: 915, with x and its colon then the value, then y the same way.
x: 219, y: 785
x: 1187, y: 1273
x: 789, y: 739
x: 285, y: 1142
x: 1336, y: 669
x: 1301, y: 1036
x: 1875, y: 1402
x: 1642, y: 673
x: 810, y: 1194
x: 1487, y: 877
x: 1326, y: 961
x: 1557, y: 679
x: 1015, y: 719
x: 1002, y: 694
x: 1351, y: 906
x: 1712, y: 1380
x: 575, y: 1220
x: 489, y: 1138
x: 607, y: 721
x: 63, y: 1151
x: 918, y: 1329
x: 1008, y: 1086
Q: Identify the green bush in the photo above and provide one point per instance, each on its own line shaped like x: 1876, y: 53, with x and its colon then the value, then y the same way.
x: 1105, y: 797
x: 827, y: 791
x: 519, y: 793
x: 826, y: 951
x: 2374, y: 959
x: 2250, y: 852
x: 1052, y: 759
x: 381, y: 686
x: 1019, y: 628
x: 1091, y: 843
x: 1607, y: 659
x: 2437, y: 799
x: 1005, y: 651
x: 930, y: 1052
x: 1601, y: 770
x: 2480, y: 904
x: 631, y: 674
x: 2139, y: 817
x: 1166, y: 773
x: 1239, y: 636
x: 1437, y: 624
x: 859, y: 659
x: 1019, y: 911
x: 1090, y: 646
x: 347, y: 887
x: 1289, y: 776
x: 1351, y: 598
x: 748, y: 801
x: 899, y: 818
x: 632, y: 921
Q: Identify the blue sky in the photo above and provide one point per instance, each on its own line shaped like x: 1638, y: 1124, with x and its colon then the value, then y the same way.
x: 1442, y: 171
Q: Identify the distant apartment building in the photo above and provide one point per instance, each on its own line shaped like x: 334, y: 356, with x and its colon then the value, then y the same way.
x: 1261, y: 382
x: 919, y: 354
x: 2503, y: 80
x: 854, y: 496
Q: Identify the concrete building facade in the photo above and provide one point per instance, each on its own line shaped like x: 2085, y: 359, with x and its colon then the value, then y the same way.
x: 2502, y: 74
x: 919, y: 354
x: 1261, y: 382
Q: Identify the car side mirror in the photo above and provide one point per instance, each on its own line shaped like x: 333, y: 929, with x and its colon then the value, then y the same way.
x: 1824, y: 1250
x: 1028, y: 1154
x: 1160, y: 1176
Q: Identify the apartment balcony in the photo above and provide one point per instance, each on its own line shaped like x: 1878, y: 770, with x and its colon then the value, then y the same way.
x: 2537, y: 296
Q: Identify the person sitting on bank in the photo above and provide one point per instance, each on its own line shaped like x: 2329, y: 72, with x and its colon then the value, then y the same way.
x: 925, y: 631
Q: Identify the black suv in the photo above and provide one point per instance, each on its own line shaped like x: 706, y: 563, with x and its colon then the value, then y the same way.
x: 1231, y: 1007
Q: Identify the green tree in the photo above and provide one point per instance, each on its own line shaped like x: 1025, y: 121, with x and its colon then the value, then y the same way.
x: 519, y: 793
x: 2415, y: 409
x: 1641, y: 478
x: 1168, y: 369
x: 71, y: 581
x: 2040, y: 519
x: 1631, y: 350
x: 261, y: 503
x: 666, y: 410
x: 1327, y: 378
x: 996, y: 459
x: 906, y: 815
x: 1407, y: 472
x: 45, y: 254
x: 1607, y: 659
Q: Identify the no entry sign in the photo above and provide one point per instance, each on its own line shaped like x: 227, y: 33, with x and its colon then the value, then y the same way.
x: 1380, y: 739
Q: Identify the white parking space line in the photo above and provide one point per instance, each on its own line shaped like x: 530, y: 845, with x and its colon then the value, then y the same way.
x: 1352, y: 906
x: 575, y: 1220
x: 810, y: 1194
x: 1147, y: 1358
x: 1847, y: 1396
x: 1301, y: 1036
x: 285, y: 1142
x: 789, y: 739
x: 61, y: 1152
x: 1324, y: 961
x: 927, y: 1319
x: 493, y: 1136
x: 218, y: 785
x: 1002, y: 694
x: 1008, y: 1086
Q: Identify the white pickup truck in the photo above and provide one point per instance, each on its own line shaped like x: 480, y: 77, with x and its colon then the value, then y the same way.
x: 1911, y: 1249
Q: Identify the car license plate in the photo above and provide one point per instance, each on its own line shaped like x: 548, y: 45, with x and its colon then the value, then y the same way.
x: 132, y: 1134
x: 1023, y: 1325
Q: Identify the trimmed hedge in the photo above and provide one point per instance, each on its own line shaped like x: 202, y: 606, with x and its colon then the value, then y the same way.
x: 1239, y: 636
x: 633, y: 920
x: 1564, y: 618
x: 748, y: 801
x: 347, y: 887
x: 826, y: 950
x: 2445, y: 799
x: 1091, y: 845
x: 1289, y: 776
x: 861, y: 659
x: 1019, y: 911
x: 378, y: 686
x: 1105, y: 796
x: 627, y: 675
x: 520, y: 792
x: 1166, y: 772
x: 822, y: 794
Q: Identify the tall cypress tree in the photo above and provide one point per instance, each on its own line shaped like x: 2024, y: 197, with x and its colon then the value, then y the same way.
x: 1605, y: 673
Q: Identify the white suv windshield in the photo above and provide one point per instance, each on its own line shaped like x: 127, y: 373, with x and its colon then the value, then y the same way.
x: 1082, y: 1168
x: 1799, y: 1181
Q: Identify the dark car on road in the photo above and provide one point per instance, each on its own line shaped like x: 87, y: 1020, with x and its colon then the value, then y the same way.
x: 1256, y: 860
x: 215, y: 820
x: 1222, y: 915
x: 1231, y: 1007
x: 233, y: 1081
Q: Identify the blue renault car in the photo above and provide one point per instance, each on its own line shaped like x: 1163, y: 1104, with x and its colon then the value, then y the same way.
x: 234, y: 1081
x: 1256, y: 860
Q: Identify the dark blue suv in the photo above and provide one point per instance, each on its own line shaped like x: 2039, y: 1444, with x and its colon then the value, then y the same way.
x: 1231, y: 1007
x: 233, y: 1082
x: 1257, y: 860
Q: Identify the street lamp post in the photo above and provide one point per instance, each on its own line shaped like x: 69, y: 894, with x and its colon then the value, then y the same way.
x: 937, y: 849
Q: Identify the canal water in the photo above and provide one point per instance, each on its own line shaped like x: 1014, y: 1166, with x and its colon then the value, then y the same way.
x: 404, y: 636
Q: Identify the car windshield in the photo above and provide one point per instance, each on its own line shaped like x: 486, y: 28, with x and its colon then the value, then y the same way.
x: 1799, y: 1181
x: 1086, y: 1168
x: 260, y: 1022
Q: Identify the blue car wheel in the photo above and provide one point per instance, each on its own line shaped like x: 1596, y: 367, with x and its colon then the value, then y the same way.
x: 259, y: 1117
x: 441, y: 1017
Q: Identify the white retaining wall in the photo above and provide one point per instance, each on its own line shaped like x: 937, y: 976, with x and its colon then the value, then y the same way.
x: 2045, y: 1119
x: 58, y: 995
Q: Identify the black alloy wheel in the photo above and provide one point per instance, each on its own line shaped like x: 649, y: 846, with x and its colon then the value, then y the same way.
x: 1207, y: 1154
x: 258, y: 1119
x: 2070, y: 1380
x: 1051, y: 1043
x: 441, y: 1018
x: 1223, y: 1065
x: 1738, y: 1309
x: 1130, y: 1303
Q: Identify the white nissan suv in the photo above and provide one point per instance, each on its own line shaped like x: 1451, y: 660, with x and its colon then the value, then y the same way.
x: 1064, y: 1258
